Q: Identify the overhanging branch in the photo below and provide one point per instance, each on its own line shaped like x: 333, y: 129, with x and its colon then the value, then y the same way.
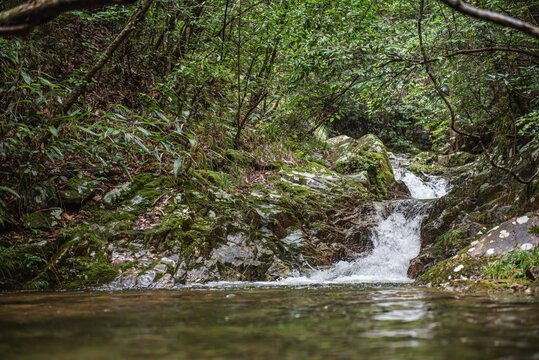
x: 23, y: 18
x: 493, y: 17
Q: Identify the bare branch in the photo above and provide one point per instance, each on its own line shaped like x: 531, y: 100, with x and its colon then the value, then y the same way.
x: 493, y: 17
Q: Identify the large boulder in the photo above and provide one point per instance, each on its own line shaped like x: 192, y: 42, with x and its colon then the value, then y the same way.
x: 77, y: 191
x: 366, y: 159
x: 468, y: 266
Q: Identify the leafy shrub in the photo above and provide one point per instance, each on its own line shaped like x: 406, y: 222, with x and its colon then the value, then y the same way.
x: 513, y: 265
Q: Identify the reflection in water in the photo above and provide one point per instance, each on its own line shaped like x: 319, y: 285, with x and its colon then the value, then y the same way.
x: 324, y: 322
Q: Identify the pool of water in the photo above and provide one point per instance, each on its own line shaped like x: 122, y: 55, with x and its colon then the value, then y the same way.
x: 258, y: 322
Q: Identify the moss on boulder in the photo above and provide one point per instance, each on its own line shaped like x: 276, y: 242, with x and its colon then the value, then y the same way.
x: 78, y: 190
x: 366, y: 155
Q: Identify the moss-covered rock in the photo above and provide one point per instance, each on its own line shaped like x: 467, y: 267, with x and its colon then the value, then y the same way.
x: 498, y: 255
x: 456, y: 159
x: 366, y: 155
x: 44, y: 219
x: 293, y: 220
x: 482, y: 197
x: 39, y: 196
x: 78, y: 190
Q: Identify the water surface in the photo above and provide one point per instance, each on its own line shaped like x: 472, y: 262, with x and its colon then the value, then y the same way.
x: 325, y: 322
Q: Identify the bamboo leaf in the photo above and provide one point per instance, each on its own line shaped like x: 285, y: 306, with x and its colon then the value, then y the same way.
x: 177, y: 166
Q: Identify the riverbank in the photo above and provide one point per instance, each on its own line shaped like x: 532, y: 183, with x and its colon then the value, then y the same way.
x: 333, y: 214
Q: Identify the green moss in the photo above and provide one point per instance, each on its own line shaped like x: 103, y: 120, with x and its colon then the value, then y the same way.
x: 444, y: 271
x: 108, y: 216
x: 128, y: 265
x: 314, y: 168
x: 240, y: 157
x: 488, y: 286
x: 151, y: 265
x: 450, y: 243
x: 297, y: 192
x: 276, y: 164
x: 100, y: 272
x: 219, y: 179
x: 39, y: 220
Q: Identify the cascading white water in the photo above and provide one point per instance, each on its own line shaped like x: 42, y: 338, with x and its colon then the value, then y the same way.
x: 432, y: 187
x: 396, y: 240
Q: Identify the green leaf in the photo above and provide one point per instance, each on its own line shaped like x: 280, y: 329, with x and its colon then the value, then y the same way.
x: 26, y: 77
x: 47, y: 82
x: 10, y: 191
x: 144, y: 131
x: 163, y: 117
x: 54, y: 131
x: 192, y: 142
x: 141, y: 145
x: 177, y: 166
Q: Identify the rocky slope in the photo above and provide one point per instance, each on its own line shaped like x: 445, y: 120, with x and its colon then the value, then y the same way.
x: 157, y: 232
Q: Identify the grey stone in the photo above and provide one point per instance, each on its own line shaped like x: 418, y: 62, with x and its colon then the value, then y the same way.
x: 146, y: 279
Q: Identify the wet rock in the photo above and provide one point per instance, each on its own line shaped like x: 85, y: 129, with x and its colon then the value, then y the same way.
x: 278, y: 270
x: 359, y: 237
x: 240, y: 260
x: 204, y: 273
x: 146, y: 279
x: 400, y: 190
x: 166, y: 282
x: 288, y: 224
x: 415, y: 269
x: 160, y: 268
x: 500, y: 240
x: 181, y: 273
x: 477, y: 201
x: 170, y: 262
x: 510, y: 235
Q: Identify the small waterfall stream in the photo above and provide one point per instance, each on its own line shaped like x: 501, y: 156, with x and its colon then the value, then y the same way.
x: 396, y: 239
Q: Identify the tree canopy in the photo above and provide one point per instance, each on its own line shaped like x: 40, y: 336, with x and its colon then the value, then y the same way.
x: 170, y: 86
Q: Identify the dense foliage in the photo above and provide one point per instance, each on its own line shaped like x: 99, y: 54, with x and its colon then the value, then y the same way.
x: 196, y: 78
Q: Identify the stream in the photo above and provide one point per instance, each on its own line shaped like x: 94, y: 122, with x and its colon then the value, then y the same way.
x: 396, y: 238
x: 373, y: 321
x: 365, y: 308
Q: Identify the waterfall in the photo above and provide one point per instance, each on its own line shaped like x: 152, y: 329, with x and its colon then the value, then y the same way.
x: 427, y: 187
x: 396, y: 238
